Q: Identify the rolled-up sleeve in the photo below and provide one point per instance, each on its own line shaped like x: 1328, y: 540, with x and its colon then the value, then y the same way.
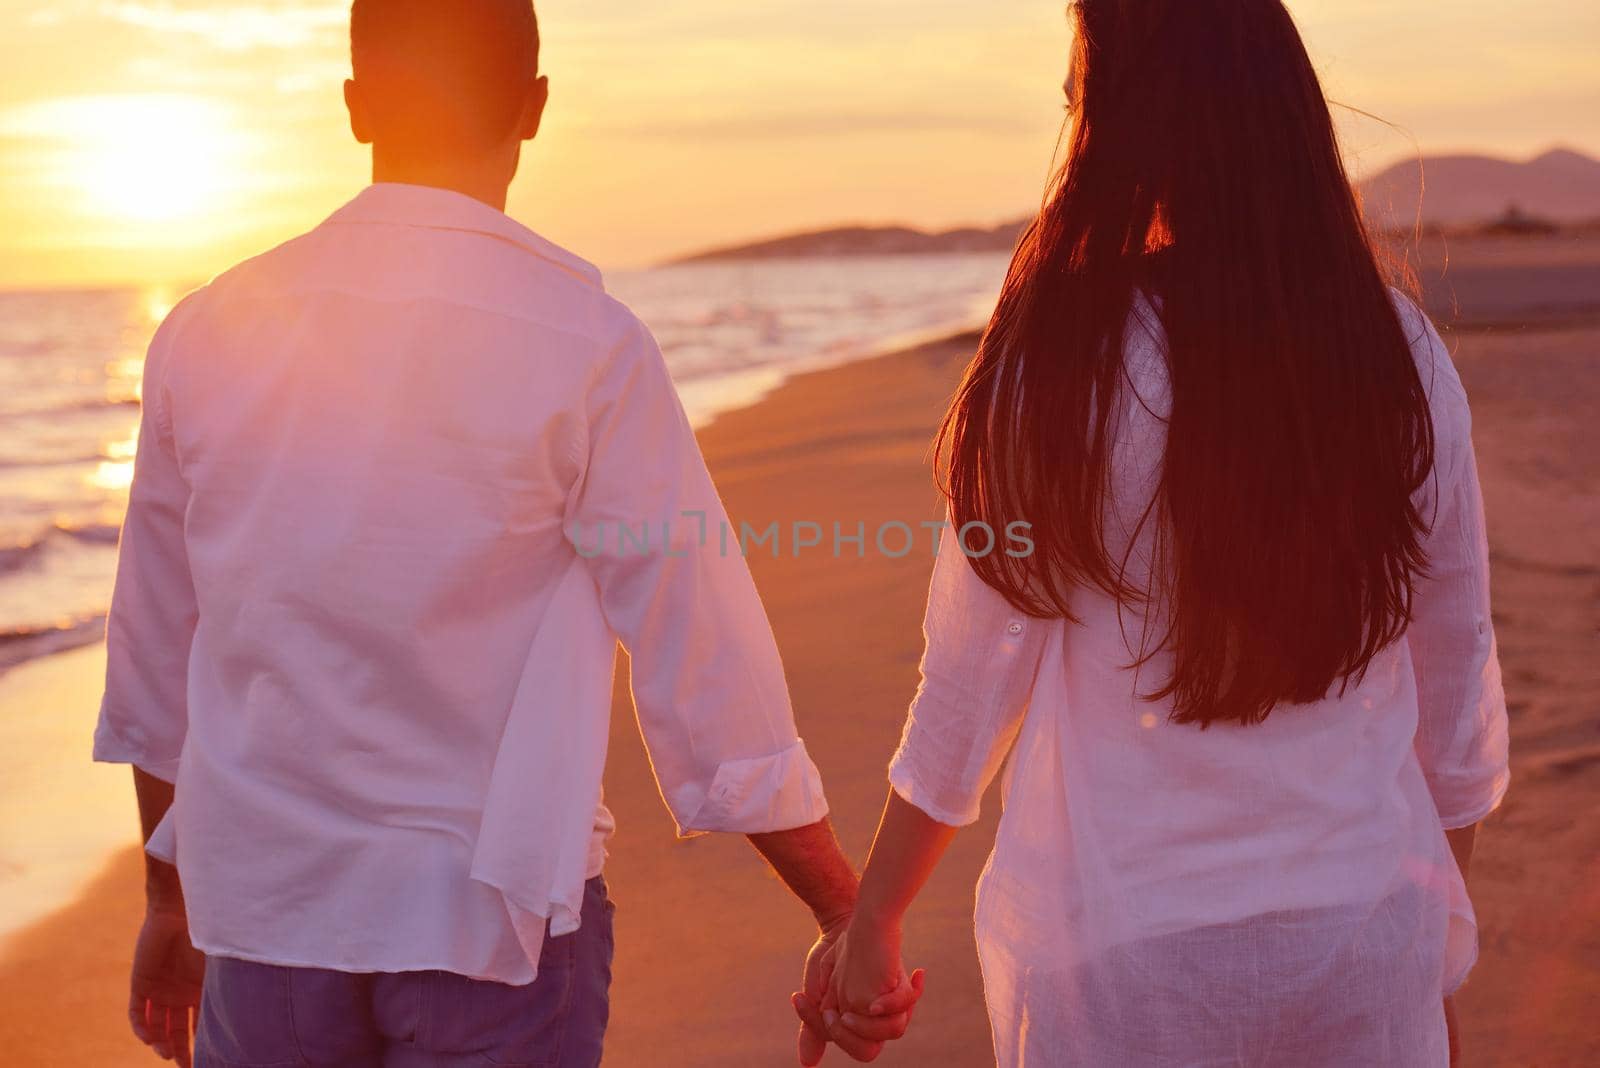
x: 708, y: 683
x: 1462, y: 728
x: 978, y: 671
x: 150, y: 630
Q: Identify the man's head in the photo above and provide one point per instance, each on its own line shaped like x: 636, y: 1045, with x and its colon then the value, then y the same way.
x: 444, y: 87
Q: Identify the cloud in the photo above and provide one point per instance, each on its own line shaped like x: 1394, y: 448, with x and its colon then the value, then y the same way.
x: 232, y: 27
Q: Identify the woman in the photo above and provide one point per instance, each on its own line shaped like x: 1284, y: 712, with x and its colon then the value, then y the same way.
x: 1247, y: 672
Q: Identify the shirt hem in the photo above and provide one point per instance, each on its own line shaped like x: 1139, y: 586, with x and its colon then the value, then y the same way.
x: 165, y: 770
x: 212, y: 949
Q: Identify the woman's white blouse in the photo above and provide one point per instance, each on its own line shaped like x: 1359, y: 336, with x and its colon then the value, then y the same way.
x: 1276, y: 894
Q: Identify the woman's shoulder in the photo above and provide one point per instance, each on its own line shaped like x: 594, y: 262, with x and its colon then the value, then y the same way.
x: 1441, y: 381
x: 1440, y: 378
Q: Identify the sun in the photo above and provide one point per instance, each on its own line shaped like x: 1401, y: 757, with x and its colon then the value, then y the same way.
x: 157, y: 159
x: 140, y: 157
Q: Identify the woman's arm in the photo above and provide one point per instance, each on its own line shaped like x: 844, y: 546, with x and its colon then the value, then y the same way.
x: 908, y: 847
x: 1462, y: 726
x: 978, y: 671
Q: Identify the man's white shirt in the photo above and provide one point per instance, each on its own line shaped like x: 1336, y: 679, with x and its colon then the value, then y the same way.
x: 402, y: 484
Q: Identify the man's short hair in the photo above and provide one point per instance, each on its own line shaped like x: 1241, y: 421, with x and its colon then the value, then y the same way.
x: 443, y: 76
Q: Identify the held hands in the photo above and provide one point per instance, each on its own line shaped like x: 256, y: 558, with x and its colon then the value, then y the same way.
x: 857, y: 993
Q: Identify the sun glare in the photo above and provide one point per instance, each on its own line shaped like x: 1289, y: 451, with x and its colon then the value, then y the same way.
x: 140, y: 158
x: 158, y: 159
x: 157, y: 304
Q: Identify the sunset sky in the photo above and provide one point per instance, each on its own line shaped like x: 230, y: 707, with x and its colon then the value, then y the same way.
x: 159, y: 140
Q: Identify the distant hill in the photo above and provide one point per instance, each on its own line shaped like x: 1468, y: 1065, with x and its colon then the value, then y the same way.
x: 869, y: 241
x: 1560, y: 186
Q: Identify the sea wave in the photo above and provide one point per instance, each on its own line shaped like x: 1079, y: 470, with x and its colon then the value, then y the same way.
x: 52, y: 462
x: 77, y: 407
x: 94, y: 533
x: 18, y: 555
x: 20, y: 644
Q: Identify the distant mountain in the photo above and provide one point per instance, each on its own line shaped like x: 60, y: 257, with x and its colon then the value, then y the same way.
x: 1561, y: 185
x: 869, y: 241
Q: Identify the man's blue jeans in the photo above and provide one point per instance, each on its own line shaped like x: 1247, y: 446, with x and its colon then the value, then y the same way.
x: 266, y: 1016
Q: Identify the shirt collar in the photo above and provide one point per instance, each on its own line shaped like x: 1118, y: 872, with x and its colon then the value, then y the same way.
x: 399, y: 204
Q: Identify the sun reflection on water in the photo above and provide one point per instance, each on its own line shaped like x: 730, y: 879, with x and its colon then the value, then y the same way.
x: 158, y: 303
x: 115, y: 472
x: 116, y: 475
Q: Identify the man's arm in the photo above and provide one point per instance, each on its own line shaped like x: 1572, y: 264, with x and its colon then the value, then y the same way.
x: 811, y: 864
x: 162, y: 891
x: 144, y: 717
x: 150, y: 629
x: 707, y: 679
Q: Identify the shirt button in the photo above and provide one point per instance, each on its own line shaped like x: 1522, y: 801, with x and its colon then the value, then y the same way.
x: 1014, y: 627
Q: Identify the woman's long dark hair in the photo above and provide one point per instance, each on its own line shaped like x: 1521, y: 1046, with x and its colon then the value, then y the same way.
x: 1203, y: 170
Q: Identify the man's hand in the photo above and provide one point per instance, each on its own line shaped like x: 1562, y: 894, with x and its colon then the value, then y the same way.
x: 814, y: 982
x: 164, y: 999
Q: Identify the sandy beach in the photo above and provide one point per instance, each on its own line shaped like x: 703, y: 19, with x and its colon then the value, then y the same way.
x: 710, y: 946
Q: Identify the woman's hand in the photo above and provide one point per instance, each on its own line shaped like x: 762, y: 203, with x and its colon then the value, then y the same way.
x: 867, y: 966
x: 870, y: 998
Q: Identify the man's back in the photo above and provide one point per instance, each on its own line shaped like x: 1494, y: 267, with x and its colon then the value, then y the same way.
x: 380, y: 424
x: 349, y: 556
x: 402, y: 485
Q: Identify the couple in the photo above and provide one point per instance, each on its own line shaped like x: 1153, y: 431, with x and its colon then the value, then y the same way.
x: 1246, y: 681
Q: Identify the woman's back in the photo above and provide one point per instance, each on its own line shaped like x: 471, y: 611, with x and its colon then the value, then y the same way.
x: 1247, y: 667
x: 1236, y: 870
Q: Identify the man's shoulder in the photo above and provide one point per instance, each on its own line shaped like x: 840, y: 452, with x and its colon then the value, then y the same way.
x: 515, y: 275
x: 554, y: 287
x: 276, y: 262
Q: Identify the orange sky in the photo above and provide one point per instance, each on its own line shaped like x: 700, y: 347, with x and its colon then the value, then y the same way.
x: 158, y: 140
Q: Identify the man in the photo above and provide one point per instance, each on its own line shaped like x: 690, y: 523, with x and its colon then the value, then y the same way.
x: 359, y: 665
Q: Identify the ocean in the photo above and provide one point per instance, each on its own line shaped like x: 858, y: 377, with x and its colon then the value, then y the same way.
x: 71, y: 363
